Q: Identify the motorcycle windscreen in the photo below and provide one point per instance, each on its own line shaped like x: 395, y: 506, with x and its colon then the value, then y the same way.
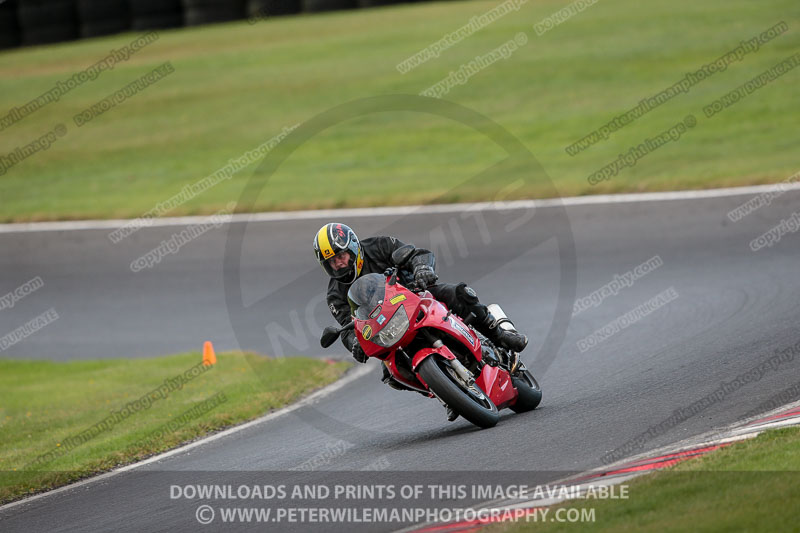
x: 366, y: 293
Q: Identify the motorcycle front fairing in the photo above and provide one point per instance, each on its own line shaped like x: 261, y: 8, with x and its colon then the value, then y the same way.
x: 377, y: 306
x: 383, y: 315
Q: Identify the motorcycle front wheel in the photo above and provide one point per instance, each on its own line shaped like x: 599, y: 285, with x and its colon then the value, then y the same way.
x: 468, y: 401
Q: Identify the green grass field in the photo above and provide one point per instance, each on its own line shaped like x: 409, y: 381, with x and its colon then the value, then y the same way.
x: 749, y: 486
x: 237, y: 85
x: 43, y: 404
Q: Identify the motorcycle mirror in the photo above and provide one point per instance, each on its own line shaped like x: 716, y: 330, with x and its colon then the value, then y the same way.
x: 401, y: 256
x: 329, y: 336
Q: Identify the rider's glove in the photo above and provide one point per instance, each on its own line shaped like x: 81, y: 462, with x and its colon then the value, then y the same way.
x: 424, y: 276
x: 358, y: 352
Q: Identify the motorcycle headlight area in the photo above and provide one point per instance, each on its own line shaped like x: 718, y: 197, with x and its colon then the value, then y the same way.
x: 394, y: 330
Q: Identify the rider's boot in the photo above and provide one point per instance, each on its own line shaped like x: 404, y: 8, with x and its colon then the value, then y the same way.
x: 388, y: 379
x: 393, y: 383
x: 491, y: 321
x: 451, y: 414
x: 501, y: 332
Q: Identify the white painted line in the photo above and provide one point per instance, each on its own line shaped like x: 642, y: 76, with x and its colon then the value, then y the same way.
x: 401, y: 210
x: 358, y: 373
x: 773, y: 424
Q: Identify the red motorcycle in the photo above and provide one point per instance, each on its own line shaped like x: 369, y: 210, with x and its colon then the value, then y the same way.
x: 432, y: 351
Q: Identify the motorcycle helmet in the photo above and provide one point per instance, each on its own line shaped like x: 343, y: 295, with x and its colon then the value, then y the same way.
x: 334, y: 242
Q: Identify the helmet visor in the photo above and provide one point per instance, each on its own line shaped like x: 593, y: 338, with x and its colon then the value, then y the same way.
x: 340, y: 265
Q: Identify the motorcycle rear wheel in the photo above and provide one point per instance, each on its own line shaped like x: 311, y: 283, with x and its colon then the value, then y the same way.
x: 530, y: 393
x: 480, y: 411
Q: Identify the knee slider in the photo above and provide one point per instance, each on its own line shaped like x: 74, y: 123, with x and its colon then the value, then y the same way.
x: 470, y: 305
x: 466, y: 294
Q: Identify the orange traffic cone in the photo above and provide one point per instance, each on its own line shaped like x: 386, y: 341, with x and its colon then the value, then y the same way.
x: 209, y: 358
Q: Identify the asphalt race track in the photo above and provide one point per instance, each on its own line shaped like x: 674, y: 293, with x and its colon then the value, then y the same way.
x: 734, y: 308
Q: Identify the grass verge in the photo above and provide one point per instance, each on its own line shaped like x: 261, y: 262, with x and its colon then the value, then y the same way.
x: 64, y: 421
x: 749, y: 486
x: 237, y: 85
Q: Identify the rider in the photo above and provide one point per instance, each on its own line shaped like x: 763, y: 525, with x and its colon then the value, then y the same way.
x: 344, y: 258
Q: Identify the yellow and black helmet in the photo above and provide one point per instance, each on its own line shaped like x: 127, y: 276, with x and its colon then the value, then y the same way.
x: 334, y: 240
